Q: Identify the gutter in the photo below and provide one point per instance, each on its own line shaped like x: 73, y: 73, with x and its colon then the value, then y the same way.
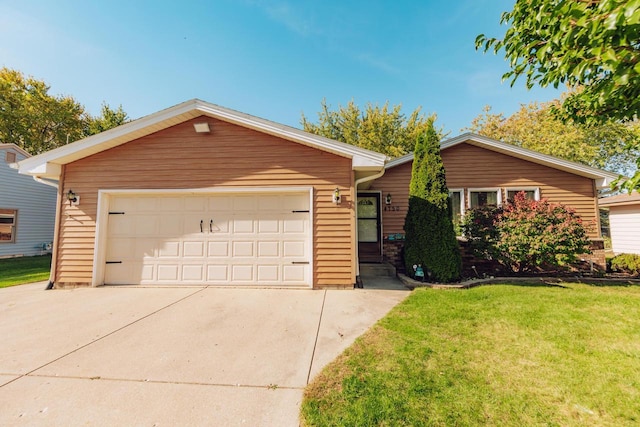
x: 45, y: 182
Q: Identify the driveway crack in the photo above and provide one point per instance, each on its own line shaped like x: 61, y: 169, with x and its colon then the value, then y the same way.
x: 315, y: 344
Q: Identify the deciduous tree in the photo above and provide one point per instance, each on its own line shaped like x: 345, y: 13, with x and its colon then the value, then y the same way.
x: 383, y: 129
x: 590, y: 43
x: 535, y: 126
x: 37, y: 121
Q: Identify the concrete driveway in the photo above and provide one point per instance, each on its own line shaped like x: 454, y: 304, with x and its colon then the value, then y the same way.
x: 171, y: 356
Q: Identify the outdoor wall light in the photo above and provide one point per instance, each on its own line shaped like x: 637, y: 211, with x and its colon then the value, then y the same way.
x: 201, y: 127
x: 336, y: 196
x: 73, y: 198
x: 387, y: 200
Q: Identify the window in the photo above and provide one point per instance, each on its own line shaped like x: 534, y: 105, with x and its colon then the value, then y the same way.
x: 8, y: 225
x: 457, y: 205
x: 484, y: 197
x: 10, y: 157
x: 532, y: 193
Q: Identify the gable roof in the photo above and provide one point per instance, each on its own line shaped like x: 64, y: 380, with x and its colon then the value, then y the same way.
x: 620, y: 200
x: 14, y: 147
x: 49, y: 164
x: 602, y: 178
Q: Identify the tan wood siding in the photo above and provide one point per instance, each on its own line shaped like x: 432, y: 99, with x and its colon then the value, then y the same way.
x: 468, y: 166
x: 230, y: 156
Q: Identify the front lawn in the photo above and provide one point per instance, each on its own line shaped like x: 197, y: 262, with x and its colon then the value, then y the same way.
x: 16, y: 271
x: 492, y: 355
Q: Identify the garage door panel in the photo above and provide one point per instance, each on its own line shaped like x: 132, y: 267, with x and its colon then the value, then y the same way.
x: 244, y: 203
x: 218, y: 249
x: 218, y: 273
x: 193, y: 273
x: 268, y: 249
x: 242, y: 273
x: 293, y: 273
x: 193, y: 249
x: 243, y: 225
x: 294, y: 249
x: 269, y: 273
x: 168, y: 272
x: 271, y: 225
x: 243, y: 249
x: 243, y: 240
x: 146, y: 204
x: 169, y: 249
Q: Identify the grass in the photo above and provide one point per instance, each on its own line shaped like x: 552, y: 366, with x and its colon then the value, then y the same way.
x: 494, y: 355
x: 16, y: 271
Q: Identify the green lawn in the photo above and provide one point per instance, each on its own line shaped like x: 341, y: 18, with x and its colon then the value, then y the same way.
x: 496, y: 355
x: 16, y: 271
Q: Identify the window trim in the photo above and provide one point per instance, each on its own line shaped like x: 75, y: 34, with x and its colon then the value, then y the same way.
x: 12, y: 155
x: 536, y: 191
x: 14, y: 226
x: 496, y: 190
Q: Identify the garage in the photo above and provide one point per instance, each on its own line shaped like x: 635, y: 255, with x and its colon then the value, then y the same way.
x: 232, y: 239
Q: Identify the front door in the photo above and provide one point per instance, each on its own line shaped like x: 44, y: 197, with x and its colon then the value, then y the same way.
x: 369, y: 227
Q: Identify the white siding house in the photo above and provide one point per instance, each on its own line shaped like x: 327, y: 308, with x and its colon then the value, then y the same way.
x: 27, y: 208
x: 624, y: 222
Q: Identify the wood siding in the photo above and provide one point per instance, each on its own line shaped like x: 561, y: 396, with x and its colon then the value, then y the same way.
x: 468, y: 166
x: 624, y: 222
x: 230, y: 156
x: 36, y: 206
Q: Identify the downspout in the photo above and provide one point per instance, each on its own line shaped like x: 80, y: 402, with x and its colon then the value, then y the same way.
x: 358, y: 182
x: 54, y: 185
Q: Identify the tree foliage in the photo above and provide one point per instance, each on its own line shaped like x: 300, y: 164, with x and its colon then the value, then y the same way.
x: 37, y: 121
x: 526, y: 235
x: 383, y: 129
x: 430, y: 236
x: 589, y: 43
x: 535, y: 126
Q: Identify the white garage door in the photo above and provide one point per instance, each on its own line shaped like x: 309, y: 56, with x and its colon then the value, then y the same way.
x: 217, y: 239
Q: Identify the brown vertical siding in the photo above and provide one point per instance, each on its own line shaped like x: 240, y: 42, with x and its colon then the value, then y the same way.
x: 469, y: 166
x: 230, y: 156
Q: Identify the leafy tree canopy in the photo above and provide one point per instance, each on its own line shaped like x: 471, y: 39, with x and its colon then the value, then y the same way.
x: 590, y: 43
x: 383, y: 129
x: 535, y: 126
x: 37, y: 121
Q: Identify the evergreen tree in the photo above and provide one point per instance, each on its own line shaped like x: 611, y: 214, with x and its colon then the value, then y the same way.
x: 430, y: 236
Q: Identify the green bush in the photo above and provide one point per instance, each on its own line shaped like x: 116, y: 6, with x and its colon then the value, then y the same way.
x: 626, y: 263
x: 526, y: 235
x: 430, y: 237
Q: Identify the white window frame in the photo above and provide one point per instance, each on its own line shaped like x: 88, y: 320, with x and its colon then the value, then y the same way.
x: 462, y: 201
x: 536, y: 191
x: 496, y: 190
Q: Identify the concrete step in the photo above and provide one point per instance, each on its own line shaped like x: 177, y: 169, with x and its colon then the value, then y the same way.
x: 377, y: 270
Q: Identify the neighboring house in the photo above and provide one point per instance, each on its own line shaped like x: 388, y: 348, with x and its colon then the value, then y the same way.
x: 624, y: 222
x: 199, y: 194
x: 27, y: 208
x: 481, y: 171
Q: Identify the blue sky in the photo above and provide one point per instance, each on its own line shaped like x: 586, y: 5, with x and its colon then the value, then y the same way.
x: 274, y: 59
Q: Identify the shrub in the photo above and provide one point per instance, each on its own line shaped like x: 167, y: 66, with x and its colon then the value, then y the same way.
x: 430, y: 236
x: 626, y: 263
x: 526, y: 234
